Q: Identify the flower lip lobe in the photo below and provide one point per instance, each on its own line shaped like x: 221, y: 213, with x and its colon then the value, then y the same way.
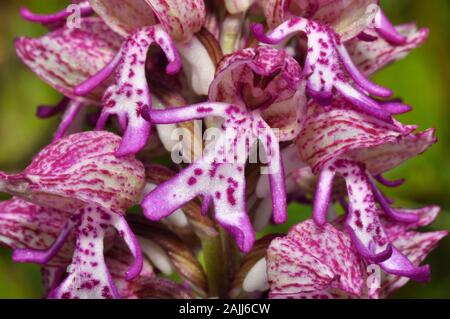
x: 326, y: 55
x: 129, y: 98
x: 220, y: 173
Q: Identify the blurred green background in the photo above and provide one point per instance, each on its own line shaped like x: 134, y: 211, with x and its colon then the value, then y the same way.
x: 422, y: 79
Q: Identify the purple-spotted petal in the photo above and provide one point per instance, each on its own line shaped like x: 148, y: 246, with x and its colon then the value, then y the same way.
x: 124, y: 16
x: 68, y: 56
x: 384, y: 157
x: 26, y: 226
x: 311, y: 259
x: 219, y: 174
x: 88, y: 275
x: 78, y: 169
x: 266, y: 73
x: 370, y: 57
x: 224, y: 183
x: 363, y: 222
x: 44, y: 256
x: 129, y: 98
x: 180, y: 18
x: 331, y: 133
x: 415, y: 247
x: 328, y: 66
x: 348, y: 18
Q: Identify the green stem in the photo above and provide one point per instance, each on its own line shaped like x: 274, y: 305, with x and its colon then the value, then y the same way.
x: 214, y: 266
x: 221, y: 258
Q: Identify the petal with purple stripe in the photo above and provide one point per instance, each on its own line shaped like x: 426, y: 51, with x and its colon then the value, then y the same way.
x: 67, y: 56
x: 312, y: 259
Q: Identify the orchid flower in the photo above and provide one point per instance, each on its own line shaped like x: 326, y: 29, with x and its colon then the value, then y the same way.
x: 321, y: 262
x: 129, y: 98
x: 219, y: 175
x: 27, y: 225
x: 326, y: 50
x: 323, y: 66
x: 357, y: 147
x: 267, y: 80
x: 130, y: 61
x: 80, y: 176
x: 182, y: 20
x: 369, y: 57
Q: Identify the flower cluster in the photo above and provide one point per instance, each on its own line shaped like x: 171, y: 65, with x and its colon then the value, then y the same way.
x: 105, y: 220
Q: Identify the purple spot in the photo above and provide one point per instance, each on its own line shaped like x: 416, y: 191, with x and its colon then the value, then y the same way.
x: 192, y: 180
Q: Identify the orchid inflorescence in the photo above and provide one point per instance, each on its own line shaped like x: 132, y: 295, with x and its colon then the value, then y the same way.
x: 111, y: 217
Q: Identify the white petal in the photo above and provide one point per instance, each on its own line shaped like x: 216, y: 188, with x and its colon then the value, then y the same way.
x: 197, y: 64
x: 256, y: 279
x: 157, y: 255
x: 178, y: 218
